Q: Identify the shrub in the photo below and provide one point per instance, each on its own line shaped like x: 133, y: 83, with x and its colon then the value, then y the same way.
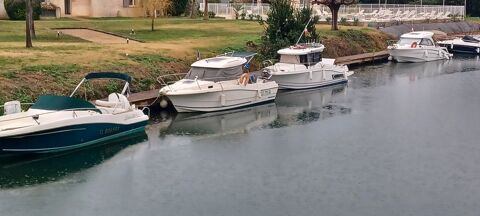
x: 243, y: 15
x: 283, y: 27
x: 211, y: 14
x: 179, y: 7
x: 356, y: 21
x: 343, y: 21
x: 250, y: 16
x: 16, y: 9
x: 328, y: 19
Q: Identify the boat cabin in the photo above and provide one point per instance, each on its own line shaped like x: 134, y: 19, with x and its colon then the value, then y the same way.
x: 422, y: 38
x: 305, y: 54
x: 219, y: 68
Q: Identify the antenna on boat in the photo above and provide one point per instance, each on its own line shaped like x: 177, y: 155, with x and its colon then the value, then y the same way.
x: 304, y: 29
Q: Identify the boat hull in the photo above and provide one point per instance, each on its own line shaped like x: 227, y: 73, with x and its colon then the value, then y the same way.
x: 464, y: 49
x: 67, y: 137
x: 304, y: 81
x: 417, y: 54
x: 223, y: 100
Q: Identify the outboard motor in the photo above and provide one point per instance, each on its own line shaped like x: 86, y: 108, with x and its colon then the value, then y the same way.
x: 12, y: 107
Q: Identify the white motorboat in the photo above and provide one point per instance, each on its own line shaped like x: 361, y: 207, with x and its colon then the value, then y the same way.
x: 302, y: 66
x: 467, y: 44
x: 417, y: 47
x: 213, y: 84
x: 59, y: 123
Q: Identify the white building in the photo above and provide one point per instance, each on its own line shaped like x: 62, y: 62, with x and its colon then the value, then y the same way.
x: 99, y: 8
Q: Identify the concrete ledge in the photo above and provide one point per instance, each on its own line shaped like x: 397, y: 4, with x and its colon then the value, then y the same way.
x: 449, y: 28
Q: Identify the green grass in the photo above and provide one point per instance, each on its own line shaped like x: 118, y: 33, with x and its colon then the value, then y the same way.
x: 166, y: 29
x: 473, y: 19
x: 53, y: 70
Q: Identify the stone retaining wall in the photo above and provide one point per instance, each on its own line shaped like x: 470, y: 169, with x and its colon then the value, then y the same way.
x: 449, y: 28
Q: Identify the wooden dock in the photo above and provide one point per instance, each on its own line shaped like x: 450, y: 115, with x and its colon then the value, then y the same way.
x: 362, y: 58
x: 144, y: 98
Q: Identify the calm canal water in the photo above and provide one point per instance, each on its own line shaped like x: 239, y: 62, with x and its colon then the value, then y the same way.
x: 399, y: 139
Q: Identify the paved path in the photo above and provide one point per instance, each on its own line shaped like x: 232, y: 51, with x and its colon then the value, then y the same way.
x: 95, y: 36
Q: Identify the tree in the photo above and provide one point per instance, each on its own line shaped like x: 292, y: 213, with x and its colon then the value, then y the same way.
x: 154, y: 6
x: 205, y: 11
x: 28, y: 23
x: 193, y: 9
x: 284, y: 26
x: 334, y: 6
x: 179, y: 7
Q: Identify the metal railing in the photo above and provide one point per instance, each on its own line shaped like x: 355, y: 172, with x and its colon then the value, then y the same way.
x: 218, y: 80
x: 164, y: 82
x: 353, y: 11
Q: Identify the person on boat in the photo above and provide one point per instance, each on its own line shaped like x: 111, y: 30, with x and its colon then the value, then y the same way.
x: 245, y: 77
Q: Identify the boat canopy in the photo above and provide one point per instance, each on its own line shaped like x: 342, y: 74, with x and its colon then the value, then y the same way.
x: 214, y: 74
x: 471, y: 39
x: 302, y: 49
x: 57, y: 103
x: 109, y: 75
x: 418, y: 35
x: 220, y: 62
x: 244, y: 54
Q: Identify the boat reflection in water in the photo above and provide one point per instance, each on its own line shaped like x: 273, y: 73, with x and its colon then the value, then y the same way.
x: 290, y: 108
x: 36, y: 169
x: 222, y: 123
x: 306, y: 106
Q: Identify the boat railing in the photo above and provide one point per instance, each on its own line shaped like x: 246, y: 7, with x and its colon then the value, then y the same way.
x: 164, y: 81
x: 35, y: 116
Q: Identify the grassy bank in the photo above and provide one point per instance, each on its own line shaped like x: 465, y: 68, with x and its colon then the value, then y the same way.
x: 56, y: 64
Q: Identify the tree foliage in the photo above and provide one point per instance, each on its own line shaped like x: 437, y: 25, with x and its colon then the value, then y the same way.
x: 284, y: 26
x: 179, y: 7
x: 16, y: 9
x: 156, y: 6
x: 334, y: 6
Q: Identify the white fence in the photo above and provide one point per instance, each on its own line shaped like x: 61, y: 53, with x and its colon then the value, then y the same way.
x: 362, y: 12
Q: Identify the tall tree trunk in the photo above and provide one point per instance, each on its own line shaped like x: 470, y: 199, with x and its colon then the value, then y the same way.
x: 154, y: 14
x: 193, y: 9
x: 334, y: 8
x: 205, y: 11
x: 32, y: 22
x: 28, y: 25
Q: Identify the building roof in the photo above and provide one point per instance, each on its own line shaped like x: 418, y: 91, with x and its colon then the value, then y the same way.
x: 419, y: 34
x: 220, y: 62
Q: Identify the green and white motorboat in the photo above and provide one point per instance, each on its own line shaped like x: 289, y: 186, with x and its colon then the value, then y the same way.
x: 60, y: 123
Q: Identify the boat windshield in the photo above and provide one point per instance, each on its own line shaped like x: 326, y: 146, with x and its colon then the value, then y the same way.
x: 214, y: 74
x: 408, y: 41
x: 310, y: 59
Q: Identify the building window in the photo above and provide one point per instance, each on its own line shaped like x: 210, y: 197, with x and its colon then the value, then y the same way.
x: 132, y: 3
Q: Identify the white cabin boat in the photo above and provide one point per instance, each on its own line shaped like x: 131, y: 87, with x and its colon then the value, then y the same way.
x: 417, y: 47
x: 213, y: 85
x: 302, y: 66
x: 467, y: 44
